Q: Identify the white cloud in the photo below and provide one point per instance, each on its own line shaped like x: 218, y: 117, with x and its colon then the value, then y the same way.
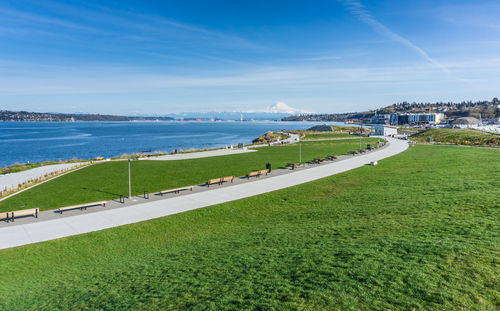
x: 358, y: 9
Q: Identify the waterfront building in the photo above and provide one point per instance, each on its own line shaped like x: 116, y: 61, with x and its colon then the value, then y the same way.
x: 380, y: 119
x: 415, y: 118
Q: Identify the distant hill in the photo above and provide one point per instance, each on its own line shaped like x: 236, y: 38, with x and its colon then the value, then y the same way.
x: 6, y: 115
x: 229, y: 115
x: 483, y: 109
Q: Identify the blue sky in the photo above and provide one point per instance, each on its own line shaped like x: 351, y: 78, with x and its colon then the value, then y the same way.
x: 132, y: 57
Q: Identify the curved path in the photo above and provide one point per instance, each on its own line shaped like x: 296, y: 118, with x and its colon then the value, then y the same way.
x: 10, y: 181
x: 199, y: 154
x: 22, y: 234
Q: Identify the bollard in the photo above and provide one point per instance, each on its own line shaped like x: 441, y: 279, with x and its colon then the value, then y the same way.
x: 268, y: 167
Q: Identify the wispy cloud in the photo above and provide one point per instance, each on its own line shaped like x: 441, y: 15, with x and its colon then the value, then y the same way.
x: 359, y: 10
x: 113, y: 28
x: 323, y: 58
x: 127, y: 25
x: 19, y: 78
x: 30, y: 18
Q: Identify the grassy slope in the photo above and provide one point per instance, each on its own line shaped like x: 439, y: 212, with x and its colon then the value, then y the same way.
x: 418, y: 231
x: 458, y: 137
x: 110, y: 179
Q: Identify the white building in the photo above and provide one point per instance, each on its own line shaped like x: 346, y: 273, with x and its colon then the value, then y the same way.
x: 384, y: 130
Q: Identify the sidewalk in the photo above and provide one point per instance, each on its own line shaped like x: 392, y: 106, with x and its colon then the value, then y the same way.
x: 200, y: 154
x: 44, y: 230
x: 10, y: 181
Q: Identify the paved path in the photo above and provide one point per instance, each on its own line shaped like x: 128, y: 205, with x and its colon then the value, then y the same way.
x: 292, y: 139
x: 336, y: 138
x: 200, y: 154
x: 22, y: 234
x: 11, y: 181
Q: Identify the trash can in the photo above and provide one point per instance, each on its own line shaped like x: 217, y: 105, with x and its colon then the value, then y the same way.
x: 268, y: 167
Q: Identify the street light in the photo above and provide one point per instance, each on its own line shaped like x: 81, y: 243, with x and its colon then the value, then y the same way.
x: 129, y: 182
x: 130, y: 178
x: 360, y: 132
x: 300, y: 151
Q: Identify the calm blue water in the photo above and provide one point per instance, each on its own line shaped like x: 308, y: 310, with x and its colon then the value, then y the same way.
x: 46, y: 141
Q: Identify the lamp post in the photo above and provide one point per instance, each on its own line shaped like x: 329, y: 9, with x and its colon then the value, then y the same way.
x: 360, y: 133
x: 300, y: 151
x: 129, y: 183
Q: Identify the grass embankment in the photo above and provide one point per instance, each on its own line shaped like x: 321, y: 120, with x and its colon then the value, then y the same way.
x: 269, y: 137
x: 106, y: 181
x: 408, y: 130
x: 418, y: 231
x: 457, y: 137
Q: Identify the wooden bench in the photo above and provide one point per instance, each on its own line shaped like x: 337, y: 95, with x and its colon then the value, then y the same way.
x: 257, y: 173
x: 25, y: 212
x: 214, y: 181
x: 176, y: 190
x: 318, y: 160
x: 253, y: 174
x: 5, y: 216
x: 266, y: 171
x: 80, y: 206
x: 227, y: 178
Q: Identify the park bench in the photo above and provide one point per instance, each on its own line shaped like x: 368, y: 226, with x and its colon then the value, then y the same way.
x: 176, y: 190
x: 227, y: 178
x: 253, y: 174
x: 318, y: 160
x: 214, y: 181
x: 257, y: 173
x: 5, y: 216
x: 266, y: 171
x: 80, y: 206
x: 25, y: 212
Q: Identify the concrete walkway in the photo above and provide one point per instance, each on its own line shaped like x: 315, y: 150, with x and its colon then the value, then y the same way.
x: 13, y: 234
x: 10, y: 181
x: 200, y: 154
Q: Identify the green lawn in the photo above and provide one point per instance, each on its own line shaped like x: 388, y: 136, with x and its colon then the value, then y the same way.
x: 109, y: 180
x: 419, y: 231
x: 458, y: 137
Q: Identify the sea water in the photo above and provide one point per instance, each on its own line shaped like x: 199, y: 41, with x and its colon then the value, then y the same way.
x: 30, y: 142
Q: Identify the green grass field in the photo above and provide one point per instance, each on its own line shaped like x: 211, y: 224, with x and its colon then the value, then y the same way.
x: 458, y: 137
x: 109, y: 180
x: 419, y: 231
